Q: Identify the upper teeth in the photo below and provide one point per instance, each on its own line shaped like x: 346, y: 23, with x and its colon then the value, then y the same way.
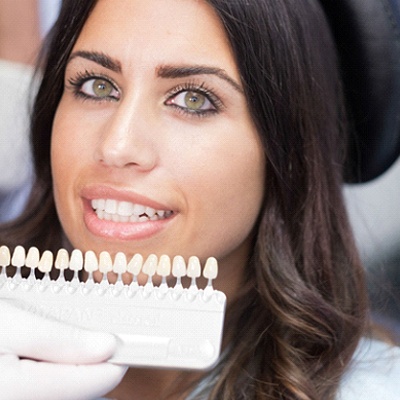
x: 110, y: 209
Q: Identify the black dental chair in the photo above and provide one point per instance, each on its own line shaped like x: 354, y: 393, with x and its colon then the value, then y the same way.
x: 367, y: 34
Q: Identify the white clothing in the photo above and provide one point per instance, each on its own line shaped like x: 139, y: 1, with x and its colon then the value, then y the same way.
x: 374, y: 374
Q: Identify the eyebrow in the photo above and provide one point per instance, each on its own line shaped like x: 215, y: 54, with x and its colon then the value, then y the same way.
x: 164, y: 71
x: 170, y: 71
x: 99, y: 58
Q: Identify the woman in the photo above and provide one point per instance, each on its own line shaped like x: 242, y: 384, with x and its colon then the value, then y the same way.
x: 227, y: 119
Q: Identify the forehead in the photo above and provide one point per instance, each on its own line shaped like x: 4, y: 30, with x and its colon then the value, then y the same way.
x: 157, y: 31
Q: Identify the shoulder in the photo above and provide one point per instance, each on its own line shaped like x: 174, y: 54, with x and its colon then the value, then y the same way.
x: 373, y: 374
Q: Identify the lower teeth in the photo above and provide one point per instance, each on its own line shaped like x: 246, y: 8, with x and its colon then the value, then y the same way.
x: 101, y: 214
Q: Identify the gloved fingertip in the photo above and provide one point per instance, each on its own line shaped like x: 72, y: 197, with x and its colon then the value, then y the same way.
x: 100, y: 346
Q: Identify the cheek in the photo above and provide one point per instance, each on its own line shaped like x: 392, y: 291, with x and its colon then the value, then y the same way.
x: 70, y: 143
x: 59, y: 154
x: 225, y: 193
x: 60, y: 151
x: 239, y: 198
x: 60, y: 174
x: 67, y: 155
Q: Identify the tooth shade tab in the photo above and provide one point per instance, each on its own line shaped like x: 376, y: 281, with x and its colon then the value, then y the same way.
x: 157, y: 326
x: 194, y: 267
x: 150, y: 265
x: 105, y: 262
x: 61, y: 263
x: 211, y: 268
x: 62, y: 260
x: 135, y: 265
x: 18, y: 258
x: 164, y: 266
x: 32, y: 258
x: 46, y: 261
x: 128, y: 273
x: 178, y: 267
x: 5, y: 256
x: 120, y: 263
x: 76, y: 260
x: 91, y: 264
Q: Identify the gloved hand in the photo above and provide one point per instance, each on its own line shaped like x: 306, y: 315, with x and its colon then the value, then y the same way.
x: 43, y: 359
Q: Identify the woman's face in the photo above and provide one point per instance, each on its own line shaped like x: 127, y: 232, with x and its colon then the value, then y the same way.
x: 153, y: 148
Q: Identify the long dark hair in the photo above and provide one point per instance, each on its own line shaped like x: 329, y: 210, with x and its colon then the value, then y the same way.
x: 294, y: 329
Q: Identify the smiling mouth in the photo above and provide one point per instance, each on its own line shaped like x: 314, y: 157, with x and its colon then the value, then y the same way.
x: 124, y: 211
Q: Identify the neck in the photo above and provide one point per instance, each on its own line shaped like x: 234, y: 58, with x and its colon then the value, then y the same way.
x: 150, y: 384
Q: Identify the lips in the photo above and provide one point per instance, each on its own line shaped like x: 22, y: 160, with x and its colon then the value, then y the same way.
x: 120, y: 214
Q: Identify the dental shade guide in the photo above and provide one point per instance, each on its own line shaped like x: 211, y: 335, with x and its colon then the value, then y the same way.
x: 160, y: 326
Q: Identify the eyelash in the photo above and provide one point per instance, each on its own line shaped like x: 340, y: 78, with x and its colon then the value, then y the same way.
x: 80, y: 79
x: 196, y: 88
x: 76, y: 83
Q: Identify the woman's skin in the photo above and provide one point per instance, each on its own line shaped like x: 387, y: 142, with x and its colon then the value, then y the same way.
x: 154, y: 114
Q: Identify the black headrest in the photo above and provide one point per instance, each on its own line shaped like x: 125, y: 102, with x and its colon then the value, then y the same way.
x: 367, y: 34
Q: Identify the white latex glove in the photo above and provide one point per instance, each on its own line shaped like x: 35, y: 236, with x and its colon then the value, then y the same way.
x: 43, y: 359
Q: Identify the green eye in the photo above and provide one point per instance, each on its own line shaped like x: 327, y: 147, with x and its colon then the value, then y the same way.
x: 102, y: 88
x: 98, y: 88
x: 194, y: 101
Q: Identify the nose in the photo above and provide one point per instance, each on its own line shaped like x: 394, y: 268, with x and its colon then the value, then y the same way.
x: 127, y: 139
